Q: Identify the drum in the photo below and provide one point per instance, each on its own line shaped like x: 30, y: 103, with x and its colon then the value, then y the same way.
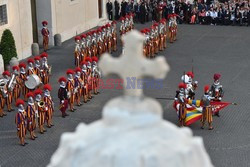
x: 33, y: 81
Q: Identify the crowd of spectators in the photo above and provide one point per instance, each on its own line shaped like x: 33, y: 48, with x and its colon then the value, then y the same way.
x: 209, y: 12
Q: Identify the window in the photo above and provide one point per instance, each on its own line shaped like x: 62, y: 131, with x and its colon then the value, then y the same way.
x: 3, y: 15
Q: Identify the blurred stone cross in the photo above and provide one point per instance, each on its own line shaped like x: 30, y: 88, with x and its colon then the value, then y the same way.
x: 133, y: 63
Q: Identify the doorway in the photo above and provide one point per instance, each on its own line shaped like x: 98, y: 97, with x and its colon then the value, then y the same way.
x: 34, y: 21
x: 100, y: 8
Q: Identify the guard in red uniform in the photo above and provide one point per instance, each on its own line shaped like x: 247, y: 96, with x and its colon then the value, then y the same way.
x: 37, y: 67
x: 70, y: 87
x: 31, y: 69
x: 207, y: 114
x: 7, y: 91
x: 96, y: 74
x: 32, y: 113
x: 20, y: 121
x: 62, y: 95
x: 79, y: 83
x: 77, y: 51
x: 46, y: 69
x: 17, y: 87
x: 40, y: 106
x: 49, y: 104
x: 89, y: 77
x: 23, y: 77
x: 45, y: 33
x: 84, y: 77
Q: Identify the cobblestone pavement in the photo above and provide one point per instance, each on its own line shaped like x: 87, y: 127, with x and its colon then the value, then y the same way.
x: 212, y: 49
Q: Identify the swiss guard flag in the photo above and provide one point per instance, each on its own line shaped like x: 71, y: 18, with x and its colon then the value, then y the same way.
x: 217, y: 106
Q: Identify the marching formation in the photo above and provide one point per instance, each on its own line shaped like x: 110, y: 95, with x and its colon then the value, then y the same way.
x: 190, y: 110
x: 79, y: 86
x: 156, y: 36
x: 127, y: 24
x: 95, y: 43
x: 25, y: 81
x: 39, y: 109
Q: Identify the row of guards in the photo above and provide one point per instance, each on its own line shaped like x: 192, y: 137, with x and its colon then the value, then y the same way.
x: 37, y: 111
x: 96, y: 42
x: 190, y: 110
x: 79, y: 86
x: 22, y: 80
x: 156, y: 36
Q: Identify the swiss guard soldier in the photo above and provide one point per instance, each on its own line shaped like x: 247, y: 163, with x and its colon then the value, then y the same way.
x: 156, y: 37
x: 84, y: 77
x: 20, y: 121
x: 191, y: 85
x: 37, y: 67
x: 31, y: 69
x: 94, y: 44
x: 77, y: 51
x: 89, y: 44
x: 162, y: 36
x: 62, y: 95
x: 70, y: 86
x: 89, y: 77
x: 49, y: 104
x: 149, y: 43
x: 17, y: 86
x: 109, y: 38
x: 175, y: 26
x: 45, y: 33
x: 131, y: 20
x: 23, y: 77
x: 144, y: 44
x: 207, y: 114
x: 2, y: 99
x: 105, y: 39
x: 7, y: 91
x: 32, y: 113
x: 216, y: 90
x: 96, y: 74
x: 46, y: 69
x: 171, y: 28
x: 164, y: 22
x: 41, y: 108
x: 181, y: 100
x: 127, y: 25
x: 99, y: 42
x: 114, y: 36
x: 78, y: 85
x: 122, y: 27
x: 83, y: 47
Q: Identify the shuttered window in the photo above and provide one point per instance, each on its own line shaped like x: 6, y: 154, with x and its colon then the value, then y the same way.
x: 3, y: 15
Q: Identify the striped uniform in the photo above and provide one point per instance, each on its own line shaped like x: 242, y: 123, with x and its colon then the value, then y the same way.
x: 78, y: 83
x: 207, y: 115
x: 23, y: 78
x: 45, y: 33
x: 20, y: 122
x: 85, y: 87
x: 182, y: 112
x: 17, y: 89
x: 41, y: 113
x: 70, y: 85
x: 31, y: 117
x: 49, y: 103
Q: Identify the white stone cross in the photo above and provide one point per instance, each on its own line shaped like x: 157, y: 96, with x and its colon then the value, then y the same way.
x: 133, y: 63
